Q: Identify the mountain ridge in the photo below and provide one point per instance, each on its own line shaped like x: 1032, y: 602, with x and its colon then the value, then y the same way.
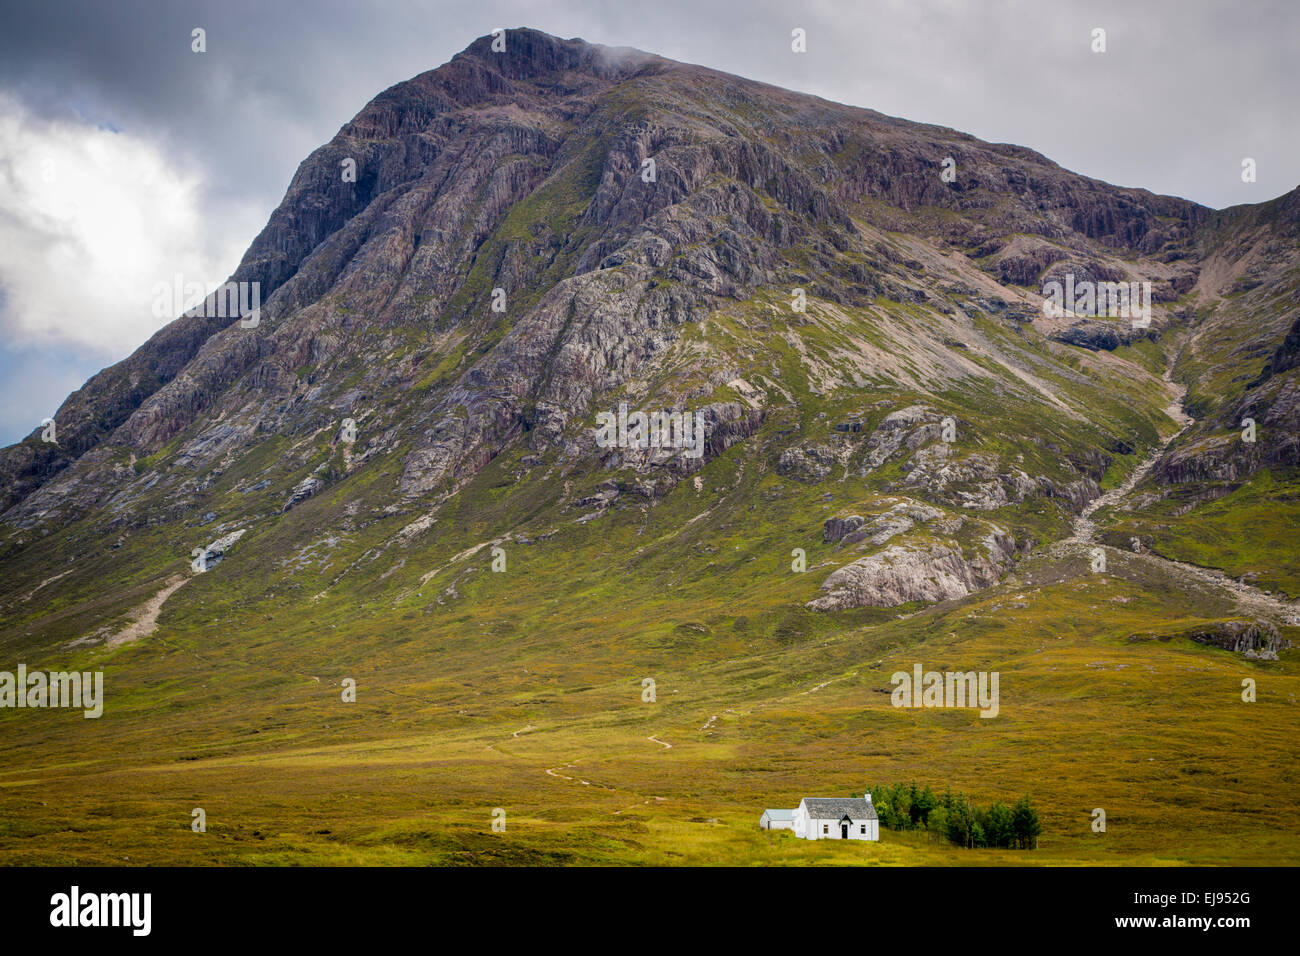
x: 178, y: 342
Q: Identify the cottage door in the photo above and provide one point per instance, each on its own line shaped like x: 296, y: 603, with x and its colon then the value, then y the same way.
x: 844, y: 831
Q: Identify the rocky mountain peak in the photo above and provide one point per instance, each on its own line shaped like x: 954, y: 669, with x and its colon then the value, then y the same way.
x: 529, y: 240
x: 530, y: 54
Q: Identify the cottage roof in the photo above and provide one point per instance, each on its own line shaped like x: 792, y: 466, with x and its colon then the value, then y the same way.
x: 835, y: 808
x: 779, y: 814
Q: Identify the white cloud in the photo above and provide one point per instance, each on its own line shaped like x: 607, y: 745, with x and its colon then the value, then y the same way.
x: 90, y: 220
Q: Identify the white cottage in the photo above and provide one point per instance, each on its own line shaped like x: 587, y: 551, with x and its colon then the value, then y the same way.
x: 835, y: 818
x: 777, y: 820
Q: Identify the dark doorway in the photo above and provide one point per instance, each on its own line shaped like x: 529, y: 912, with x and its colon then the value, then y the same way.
x: 844, y: 831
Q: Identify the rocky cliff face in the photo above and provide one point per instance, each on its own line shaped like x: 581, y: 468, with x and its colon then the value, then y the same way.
x: 938, y: 570
x: 538, y: 236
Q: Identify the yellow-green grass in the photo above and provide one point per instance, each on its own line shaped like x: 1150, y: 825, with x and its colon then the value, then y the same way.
x: 1154, y: 733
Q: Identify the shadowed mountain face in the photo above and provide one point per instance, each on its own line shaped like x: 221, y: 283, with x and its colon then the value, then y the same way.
x: 490, y: 256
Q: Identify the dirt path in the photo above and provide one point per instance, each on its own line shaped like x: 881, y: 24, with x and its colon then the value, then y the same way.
x: 146, y: 615
x: 554, y: 772
x: 32, y: 592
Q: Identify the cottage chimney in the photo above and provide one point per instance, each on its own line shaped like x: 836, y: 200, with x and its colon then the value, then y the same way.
x: 868, y: 796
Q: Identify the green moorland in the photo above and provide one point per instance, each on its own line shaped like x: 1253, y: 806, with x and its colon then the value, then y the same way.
x: 522, y: 690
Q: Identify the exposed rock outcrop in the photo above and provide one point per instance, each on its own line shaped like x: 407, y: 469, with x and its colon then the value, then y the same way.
x: 215, y: 552
x: 925, y: 571
x: 908, y: 428
x: 1257, y: 640
x: 302, y: 491
x: 836, y: 528
x: 901, y: 517
x: 1095, y: 335
x: 808, y: 463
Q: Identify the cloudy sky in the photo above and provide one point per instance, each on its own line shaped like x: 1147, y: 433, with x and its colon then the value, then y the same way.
x: 126, y: 158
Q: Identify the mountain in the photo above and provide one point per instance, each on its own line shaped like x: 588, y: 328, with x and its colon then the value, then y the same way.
x: 394, y: 477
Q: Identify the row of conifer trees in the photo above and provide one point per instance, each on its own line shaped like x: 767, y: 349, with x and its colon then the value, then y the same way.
x: 956, y: 818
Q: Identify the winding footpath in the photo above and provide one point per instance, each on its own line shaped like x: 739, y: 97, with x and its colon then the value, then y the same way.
x: 146, y: 615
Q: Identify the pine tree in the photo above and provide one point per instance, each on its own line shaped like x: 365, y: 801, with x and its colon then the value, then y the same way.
x: 1001, y: 827
x: 1025, y: 824
x: 926, y: 804
x: 938, y: 823
x: 913, y: 805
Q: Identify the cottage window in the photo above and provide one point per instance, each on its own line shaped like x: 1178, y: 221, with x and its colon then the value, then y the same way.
x: 864, y: 828
x: 826, y: 828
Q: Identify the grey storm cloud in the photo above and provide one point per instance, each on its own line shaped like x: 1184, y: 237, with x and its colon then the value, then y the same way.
x: 1183, y: 93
